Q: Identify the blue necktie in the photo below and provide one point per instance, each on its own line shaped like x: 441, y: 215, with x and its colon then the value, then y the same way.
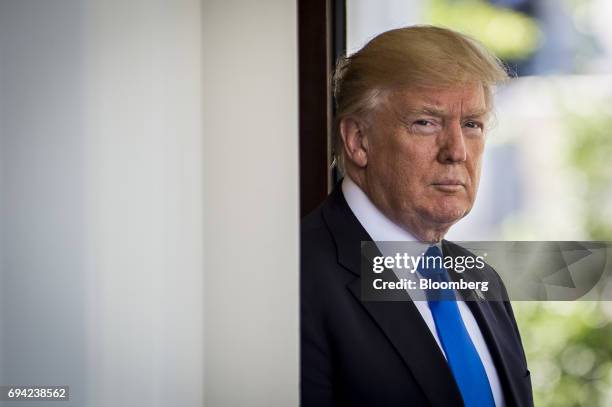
x: 463, y: 359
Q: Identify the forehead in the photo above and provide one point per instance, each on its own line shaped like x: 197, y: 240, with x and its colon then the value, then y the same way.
x: 469, y: 99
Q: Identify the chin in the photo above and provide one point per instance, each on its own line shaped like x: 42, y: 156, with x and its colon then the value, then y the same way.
x: 445, y: 219
x: 448, y: 214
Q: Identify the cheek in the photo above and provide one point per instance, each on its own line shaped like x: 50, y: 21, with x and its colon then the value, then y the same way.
x: 474, y: 163
x: 401, y: 173
x: 476, y: 174
x: 411, y: 165
x: 410, y: 176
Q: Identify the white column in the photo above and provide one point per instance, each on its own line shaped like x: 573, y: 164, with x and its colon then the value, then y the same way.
x: 149, y: 200
x: 142, y: 75
x: 44, y: 229
x: 101, y: 198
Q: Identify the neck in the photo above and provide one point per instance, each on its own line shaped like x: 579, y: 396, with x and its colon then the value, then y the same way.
x: 430, y: 233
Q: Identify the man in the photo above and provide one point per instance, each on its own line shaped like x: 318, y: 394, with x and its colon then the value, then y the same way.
x: 412, y: 111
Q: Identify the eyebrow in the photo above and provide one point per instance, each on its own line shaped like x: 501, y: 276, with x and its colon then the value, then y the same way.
x: 434, y: 111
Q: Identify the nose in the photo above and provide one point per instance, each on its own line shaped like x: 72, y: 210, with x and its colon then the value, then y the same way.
x: 452, y: 145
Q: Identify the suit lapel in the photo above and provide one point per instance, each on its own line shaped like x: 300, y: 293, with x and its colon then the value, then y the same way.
x: 404, y: 327
x: 486, y: 320
x: 401, y: 322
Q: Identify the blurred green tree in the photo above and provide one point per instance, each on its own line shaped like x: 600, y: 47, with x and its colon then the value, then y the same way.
x: 511, y: 35
x: 569, y: 345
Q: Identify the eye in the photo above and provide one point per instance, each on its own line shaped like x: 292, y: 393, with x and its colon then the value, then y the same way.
x: 473, y: 124
x: 424, y: 127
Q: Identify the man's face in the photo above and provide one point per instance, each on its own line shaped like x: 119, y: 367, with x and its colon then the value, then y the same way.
x: 424, y: 150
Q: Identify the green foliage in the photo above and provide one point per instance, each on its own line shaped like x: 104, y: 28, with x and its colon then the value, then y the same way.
x: 569, y: 344
x: 590, y: 153
x: 569, y: 351
x: 509, y: 34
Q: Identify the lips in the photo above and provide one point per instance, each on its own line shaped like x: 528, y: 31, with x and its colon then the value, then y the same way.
x: 449, y: 185
x: 449, y: 182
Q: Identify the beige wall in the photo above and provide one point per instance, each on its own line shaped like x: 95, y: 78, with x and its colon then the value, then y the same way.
x: 251, y: 207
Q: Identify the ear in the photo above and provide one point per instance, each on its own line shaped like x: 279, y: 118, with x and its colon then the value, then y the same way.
x: 354, y: 141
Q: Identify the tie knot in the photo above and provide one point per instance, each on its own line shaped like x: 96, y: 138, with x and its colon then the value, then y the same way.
x: 433, y: 251
x: 432, y: 265
x: 432, y: 269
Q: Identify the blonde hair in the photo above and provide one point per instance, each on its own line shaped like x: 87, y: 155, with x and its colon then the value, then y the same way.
x: 416, y: 56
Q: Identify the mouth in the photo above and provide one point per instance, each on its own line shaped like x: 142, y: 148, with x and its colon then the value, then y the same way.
x: 448, y: 185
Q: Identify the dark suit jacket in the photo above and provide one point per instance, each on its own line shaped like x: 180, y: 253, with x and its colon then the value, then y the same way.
x: 358, y: 353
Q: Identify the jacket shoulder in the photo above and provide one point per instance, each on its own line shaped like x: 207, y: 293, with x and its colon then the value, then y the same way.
x: 316, y: 241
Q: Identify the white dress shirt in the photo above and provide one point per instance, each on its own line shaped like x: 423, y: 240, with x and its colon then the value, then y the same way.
x: 380, y: 228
